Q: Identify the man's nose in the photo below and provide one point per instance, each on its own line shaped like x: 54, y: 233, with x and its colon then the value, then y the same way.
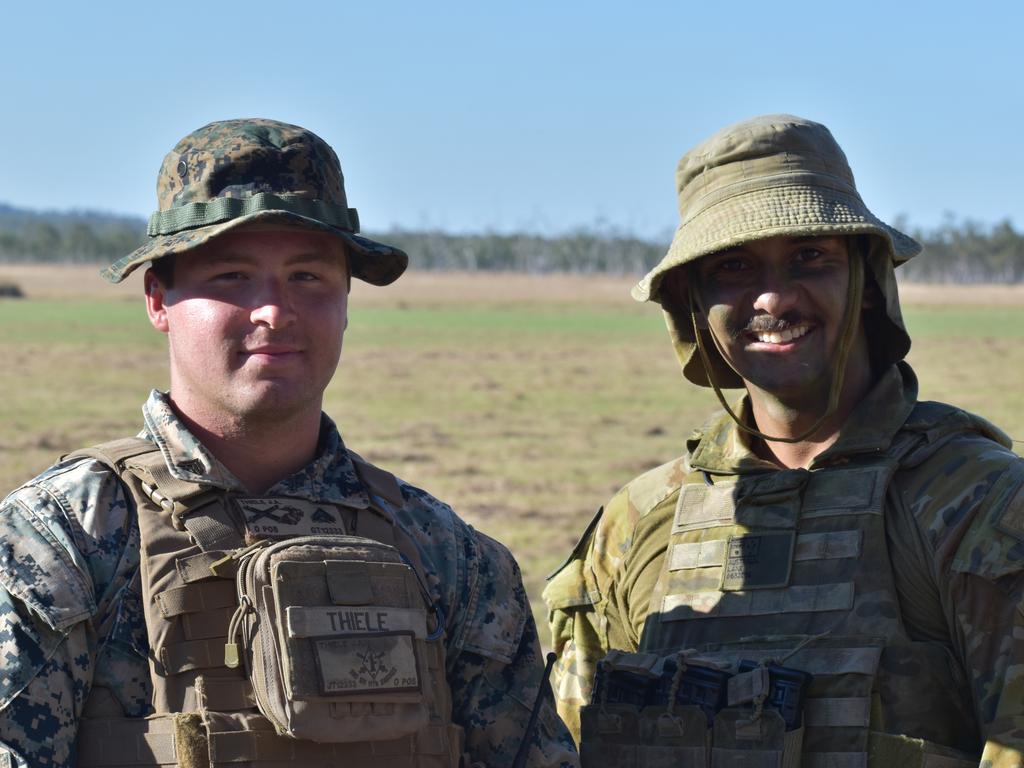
x: 272, y: 306
x: 777, y: 296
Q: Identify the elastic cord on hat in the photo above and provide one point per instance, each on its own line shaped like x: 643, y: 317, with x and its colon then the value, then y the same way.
x: 851, y: 320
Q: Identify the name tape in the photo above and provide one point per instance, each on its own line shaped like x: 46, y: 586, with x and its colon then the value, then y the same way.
x: 330, y: 621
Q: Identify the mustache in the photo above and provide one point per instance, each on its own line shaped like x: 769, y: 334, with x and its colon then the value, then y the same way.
x: 770, y: 324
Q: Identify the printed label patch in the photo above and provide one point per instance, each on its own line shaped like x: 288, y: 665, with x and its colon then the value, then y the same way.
x: 758, y: 561
x: 327, y: 621
x: 367, y: 663
x: 267, y: 518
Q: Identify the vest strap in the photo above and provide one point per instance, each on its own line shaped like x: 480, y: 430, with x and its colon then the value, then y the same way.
x: 211, y: 526
x: 224, y: 694
x: 114, y: 453
x: 763, y: 602
x: 837, y: 713
x: 197, y: 567
x: 192, y: 654
x: 201, y: 596
x: 836, y: 760
x: 121, y: 741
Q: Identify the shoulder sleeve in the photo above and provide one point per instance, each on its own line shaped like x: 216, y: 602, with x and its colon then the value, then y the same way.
x: 497, y: 605
x: 497, y: 674
x: 589, y: 610
x: 969, y: 502
x: 48, y: 654
x: 36, y: 567
x: 967, y: 498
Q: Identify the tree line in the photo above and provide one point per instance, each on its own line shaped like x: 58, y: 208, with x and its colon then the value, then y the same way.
x: 956, y: 251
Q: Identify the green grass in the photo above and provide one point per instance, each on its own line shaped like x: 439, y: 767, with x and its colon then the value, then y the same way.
x: 524, y: 416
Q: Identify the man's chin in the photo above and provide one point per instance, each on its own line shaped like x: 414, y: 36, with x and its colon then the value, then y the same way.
x: 264, y: 403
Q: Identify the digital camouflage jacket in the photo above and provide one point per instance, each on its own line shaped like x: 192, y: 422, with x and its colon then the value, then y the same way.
x: 70, y: 620
x: 953, y: 515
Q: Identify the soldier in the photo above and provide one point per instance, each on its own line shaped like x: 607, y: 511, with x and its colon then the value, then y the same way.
x: 235, y: 586
x: 832, y: 572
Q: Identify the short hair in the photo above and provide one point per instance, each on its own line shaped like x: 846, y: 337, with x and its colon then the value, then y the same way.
x: 163, y: 268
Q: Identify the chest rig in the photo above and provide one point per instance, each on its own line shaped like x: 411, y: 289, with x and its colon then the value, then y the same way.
x: 280, y: 631
x: 775, y: 628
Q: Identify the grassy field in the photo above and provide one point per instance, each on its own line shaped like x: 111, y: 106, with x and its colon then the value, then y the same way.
x: 523, y: 401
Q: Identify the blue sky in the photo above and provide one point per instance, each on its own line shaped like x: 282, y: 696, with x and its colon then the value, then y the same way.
x: 543, y: 116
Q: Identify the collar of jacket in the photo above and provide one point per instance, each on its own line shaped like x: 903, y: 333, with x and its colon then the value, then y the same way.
x: 331, y: 477
x: 719, y: 447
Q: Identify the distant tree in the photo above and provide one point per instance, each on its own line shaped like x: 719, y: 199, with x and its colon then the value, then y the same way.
x: 955, y: 251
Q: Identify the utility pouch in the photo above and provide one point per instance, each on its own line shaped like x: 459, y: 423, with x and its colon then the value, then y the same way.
x: 743, y: 739
x: 335, y: 638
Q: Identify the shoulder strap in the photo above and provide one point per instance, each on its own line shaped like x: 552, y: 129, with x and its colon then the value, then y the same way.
x: 114, y: 453
x: 141, y: 466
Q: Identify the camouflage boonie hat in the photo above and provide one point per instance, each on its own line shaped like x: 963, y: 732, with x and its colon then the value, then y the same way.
x: 768, y: 176
x: 235, y: 172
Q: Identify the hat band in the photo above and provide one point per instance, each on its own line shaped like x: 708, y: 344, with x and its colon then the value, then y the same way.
x: 222, y: 209
x: 691, y: 209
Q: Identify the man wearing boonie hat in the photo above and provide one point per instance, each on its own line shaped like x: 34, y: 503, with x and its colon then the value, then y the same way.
x: 234, y: 586
x: 832, y: 575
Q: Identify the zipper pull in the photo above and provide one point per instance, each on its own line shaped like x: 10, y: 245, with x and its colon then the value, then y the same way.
x: 231, y: 656
x: 237, y: 554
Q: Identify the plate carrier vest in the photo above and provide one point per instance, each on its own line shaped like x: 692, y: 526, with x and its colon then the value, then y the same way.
x: 343, y: 656
x: 790, y: 569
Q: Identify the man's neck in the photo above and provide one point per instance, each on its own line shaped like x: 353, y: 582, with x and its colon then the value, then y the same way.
x: 258, y: 453
x: 791, y: 417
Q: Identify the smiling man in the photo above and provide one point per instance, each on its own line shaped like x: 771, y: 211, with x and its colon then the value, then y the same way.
x: 833, y: 573
x: 234, y: 586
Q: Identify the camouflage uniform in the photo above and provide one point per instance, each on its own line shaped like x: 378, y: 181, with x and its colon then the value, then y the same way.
x: 935, y: 580
x: 72, y: 622
x: 954, y: 529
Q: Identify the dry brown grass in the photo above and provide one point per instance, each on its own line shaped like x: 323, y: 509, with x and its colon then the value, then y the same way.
x: 438, y: 288
x: 522, y: 400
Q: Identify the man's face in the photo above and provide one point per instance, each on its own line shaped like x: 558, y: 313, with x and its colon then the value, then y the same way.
x: 776, y: 308
x: 255, y: 321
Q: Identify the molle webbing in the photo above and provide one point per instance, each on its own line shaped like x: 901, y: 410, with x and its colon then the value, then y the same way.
x: 210, y: 740
x: 794, y: 565
x: 206, y: 712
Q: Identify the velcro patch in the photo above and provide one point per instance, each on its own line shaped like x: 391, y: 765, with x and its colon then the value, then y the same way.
x: 270, y: 518
x: 329, y: 621
x: 367, y: 663
x: 758, y: 561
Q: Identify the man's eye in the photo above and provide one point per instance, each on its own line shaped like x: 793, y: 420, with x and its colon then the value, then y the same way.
x: 730, y: 265
x: 304, y: 277
x: 229, y: 276
x: 807, y: 255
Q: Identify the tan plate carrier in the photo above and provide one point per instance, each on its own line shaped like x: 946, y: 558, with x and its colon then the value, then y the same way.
x: 336, y: 655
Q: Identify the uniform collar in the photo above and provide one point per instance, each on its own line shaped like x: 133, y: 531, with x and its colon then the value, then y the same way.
x: 721, y: 447
x: 331, y: 476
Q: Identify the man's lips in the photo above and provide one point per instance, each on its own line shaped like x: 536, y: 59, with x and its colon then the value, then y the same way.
x: 780, y: 339
x: 271, y: 352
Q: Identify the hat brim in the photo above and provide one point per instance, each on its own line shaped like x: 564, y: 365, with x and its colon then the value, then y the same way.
x: 370, y: 261
x: 790, y: 210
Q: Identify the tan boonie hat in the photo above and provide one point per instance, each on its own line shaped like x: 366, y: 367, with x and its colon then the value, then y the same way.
x: 235, y: 172
x: 768, y: 176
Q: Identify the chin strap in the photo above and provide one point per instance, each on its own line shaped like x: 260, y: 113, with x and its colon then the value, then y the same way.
x: 851, y: 320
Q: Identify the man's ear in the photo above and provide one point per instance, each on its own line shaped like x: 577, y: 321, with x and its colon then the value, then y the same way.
x: 156, y: 301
